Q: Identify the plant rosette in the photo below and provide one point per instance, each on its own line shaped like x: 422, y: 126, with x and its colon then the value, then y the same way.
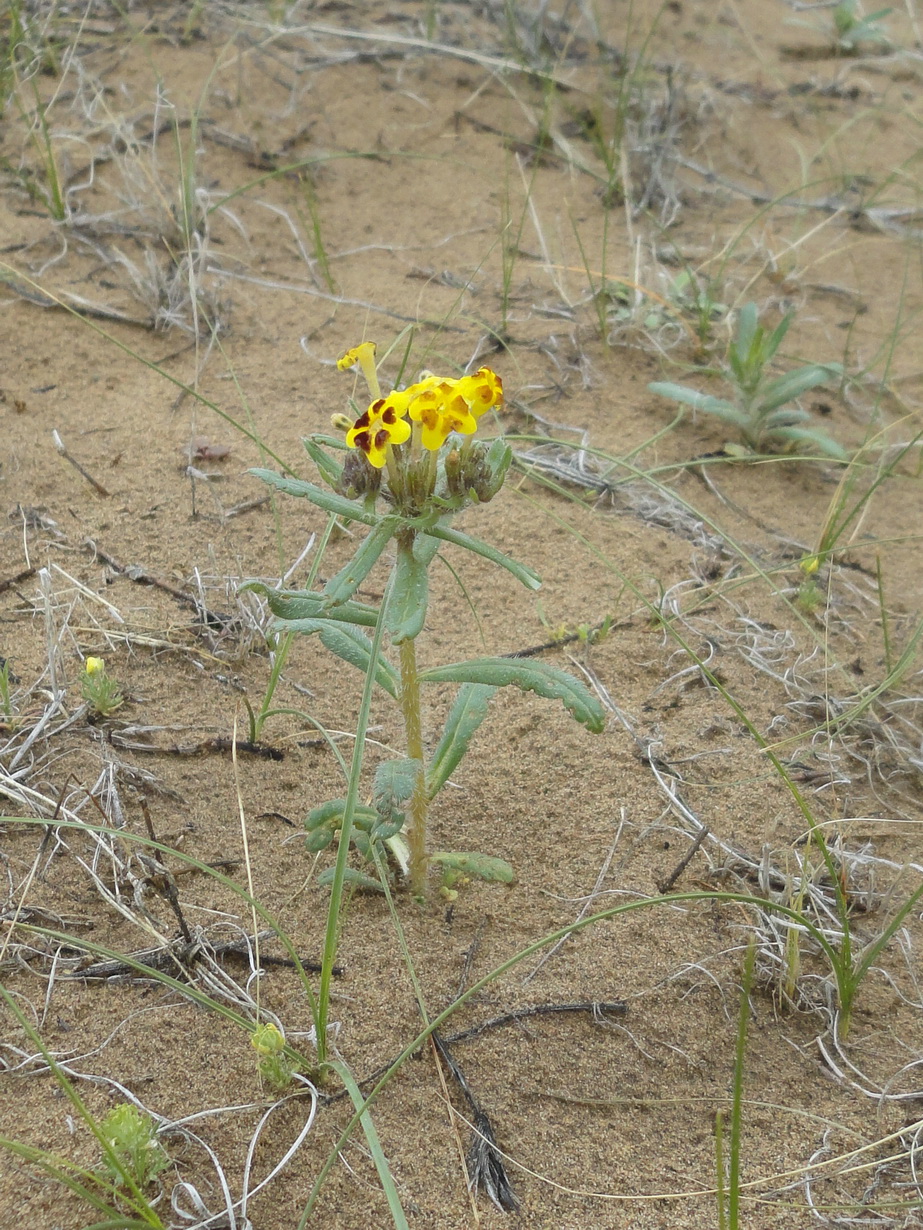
x: 412, y: 463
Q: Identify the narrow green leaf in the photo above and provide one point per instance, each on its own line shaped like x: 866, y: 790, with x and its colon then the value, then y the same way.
x: 353, y: 646
x: 351, y: 876
x: 699, y: 401
x: 481, y: 866
x: 378, y: 1155
x: 329, y: 501
x: 332, y: 813
x: 341, y: 587
x: 747, y: 326
x: 407, y: 609
x: 297, y: 606
x: 774, y: 341
x: 536, y: 677
x: 330, y: 469
x: 465, y: 716
x: 520, y: 571
x: 785, y: 416
x: 817, y: 438
x: 793, y: 384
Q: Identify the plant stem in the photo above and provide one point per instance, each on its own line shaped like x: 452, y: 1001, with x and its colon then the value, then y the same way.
x: 413, y: 730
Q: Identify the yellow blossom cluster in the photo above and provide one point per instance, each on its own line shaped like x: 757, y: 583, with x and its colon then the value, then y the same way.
x: 440, y: 405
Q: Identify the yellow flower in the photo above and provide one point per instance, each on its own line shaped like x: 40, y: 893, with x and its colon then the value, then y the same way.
x: 364, y: 351
x: 440, y: 409
x: 809, y: 565
x: 440, y: 405
x: 364, y: 355
x: 444, y: 406
x: 481, y: 391
x: 381, y: 425
x: 95, y: 666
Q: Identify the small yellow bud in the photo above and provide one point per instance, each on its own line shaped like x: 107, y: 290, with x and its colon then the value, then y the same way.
x: 809, y: 565
x: 341, y: 422
x: 95, y: 666
x: 267, y: 1040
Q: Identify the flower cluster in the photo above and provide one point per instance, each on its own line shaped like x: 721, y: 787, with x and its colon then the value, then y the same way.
x: 438, y: 405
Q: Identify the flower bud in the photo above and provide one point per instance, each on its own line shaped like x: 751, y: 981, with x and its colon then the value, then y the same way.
x: 359, y: 477
x: 476, y: 471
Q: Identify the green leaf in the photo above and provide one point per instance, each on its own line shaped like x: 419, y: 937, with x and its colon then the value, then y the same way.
x: 774, y: 341
x: 332, y: 813
x: 298, y: 606
x: 700, y: 401
x: 341, y: 587
x: 480, y: 866
x: 536, y: 677
x: 330, y: 469
x: 395, y: 781
x: 329, y: 501
x: 786, y: 388
x: 407, y: 609
x: 818, y: 438
x: 353, y: 646
x: 743, y: 352
x: 520, y: 571
x: 351, y: 876
x: 465, y: 716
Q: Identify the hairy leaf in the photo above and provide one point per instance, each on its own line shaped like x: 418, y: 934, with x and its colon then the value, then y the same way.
x: 341, y: 587
x: 480, y: 866
x: 394, y: 784
x: 329, y: 501
x: 407, y: 609
x: 537, y: 677
x: 297, y: 606
x: 353, y: 646
x: 520, y: 571
x: 465, y: 716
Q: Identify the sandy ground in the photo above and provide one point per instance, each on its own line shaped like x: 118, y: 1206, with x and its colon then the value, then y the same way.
x: 352, y: 170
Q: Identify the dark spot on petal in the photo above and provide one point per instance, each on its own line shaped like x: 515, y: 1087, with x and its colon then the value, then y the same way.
x: 389, y: 415
x: 363, y: 420
x: 381, y: 439
x: 363, y: 440
x: 375, y: 407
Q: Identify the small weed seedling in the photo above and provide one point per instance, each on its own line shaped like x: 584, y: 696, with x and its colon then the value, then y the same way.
x: 852, y: 28
x: 132, y: 1138
x: 99, y: 691
x: 414, y: 449
x: 275, y: 1067
x: 762, y: 408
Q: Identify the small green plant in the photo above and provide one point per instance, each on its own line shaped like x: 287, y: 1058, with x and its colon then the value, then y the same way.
x: 810, y: 596
x: 99, y: 691
x: 762, y: 408
x: 275, y: 1067
x: 852, y: 28
x: 132, y: 1137
x: 698, y: 299
x: 8, y: 711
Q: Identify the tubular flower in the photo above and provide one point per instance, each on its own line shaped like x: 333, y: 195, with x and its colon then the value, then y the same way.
x: 364, y: 355
x: 382, y: 424
x: 364, y: 351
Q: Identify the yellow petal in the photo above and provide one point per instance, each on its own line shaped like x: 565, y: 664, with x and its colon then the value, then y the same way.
x: 363, y: 352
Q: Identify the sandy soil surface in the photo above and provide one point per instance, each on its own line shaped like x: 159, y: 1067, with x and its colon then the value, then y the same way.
x: 238, y: 193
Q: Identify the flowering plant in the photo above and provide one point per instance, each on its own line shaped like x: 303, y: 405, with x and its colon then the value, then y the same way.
x: 414, y: 451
